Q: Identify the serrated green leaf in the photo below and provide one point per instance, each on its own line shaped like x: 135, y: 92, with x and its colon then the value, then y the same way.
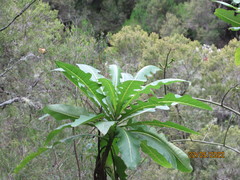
x: 175, y: 156
x: 185, y: 100
x: 237, y: 57
x: 228, y: 16
x: 159, y: 103
x: 157, y: 85
x: 82, y: 88
x: 86, y: 119
x: 146, y: 71
x: 27, y: 159
x: 93, y: 71
x: 89, y: 87
x: 127, y: 89
x: 128, y: 146
x: 110, y: 92
x: 95, y: 77
x: 147, y: 89
x: 145, y: 108
x: 63, y: 111
x: 104, y: 126
x: 126, y: 77
x: 141, y: 107
x: 168, y: 124
x: 115, y: 73
x: 155, y: 155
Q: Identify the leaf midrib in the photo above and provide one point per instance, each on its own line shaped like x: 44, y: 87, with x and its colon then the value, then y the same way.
x: 152, y: 105
x: 222, y: 15
x: 149, y: 149
x: 81, y: 80
x: 158, y: 139
x: 112, y: 92
x: 128, y: 140
x: 88, y: 87
x: 66, y: 114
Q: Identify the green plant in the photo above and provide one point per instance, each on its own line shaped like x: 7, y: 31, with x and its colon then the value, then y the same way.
x: 150, y: 14
x: 116, y: 103
x: 230, y: 17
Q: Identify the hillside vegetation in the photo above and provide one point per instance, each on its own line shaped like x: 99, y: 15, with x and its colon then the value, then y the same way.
x: 181, y: 37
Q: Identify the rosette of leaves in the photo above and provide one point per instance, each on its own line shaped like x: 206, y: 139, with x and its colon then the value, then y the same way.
x: 117, y: 101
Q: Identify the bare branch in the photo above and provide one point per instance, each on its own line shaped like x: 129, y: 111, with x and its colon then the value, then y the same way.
x: 229, y: 124
x: 15, y: 63
x: 225, y: 95
x: 76, y: 155
x: 165, y: 70
x: 18, y: 15
x: 219, y: 104
x: 36, y: 81
x: 10, y: 101
x: 9, y: 68
x: 206, y: 142
x: 19, y: 99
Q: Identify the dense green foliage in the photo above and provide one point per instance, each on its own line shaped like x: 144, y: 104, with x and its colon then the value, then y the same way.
x: 38, y: 38
x: 194, y: 19
x: 230, y: 17
x: 171, y: 17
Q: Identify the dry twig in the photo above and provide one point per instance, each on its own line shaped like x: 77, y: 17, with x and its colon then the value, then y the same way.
x: 18, y: 15
x: 10, y: 101
x: 206, y: 142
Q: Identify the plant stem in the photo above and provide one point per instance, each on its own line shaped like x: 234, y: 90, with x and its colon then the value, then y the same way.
x: 229, y: 124
x: 100, y: 171
x: 114, y: 164
x: 76, y: 155
x: 165, y: 70
x: 227, y: 93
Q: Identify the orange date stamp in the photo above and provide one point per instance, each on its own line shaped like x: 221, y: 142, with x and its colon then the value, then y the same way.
x: 206, y: 154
